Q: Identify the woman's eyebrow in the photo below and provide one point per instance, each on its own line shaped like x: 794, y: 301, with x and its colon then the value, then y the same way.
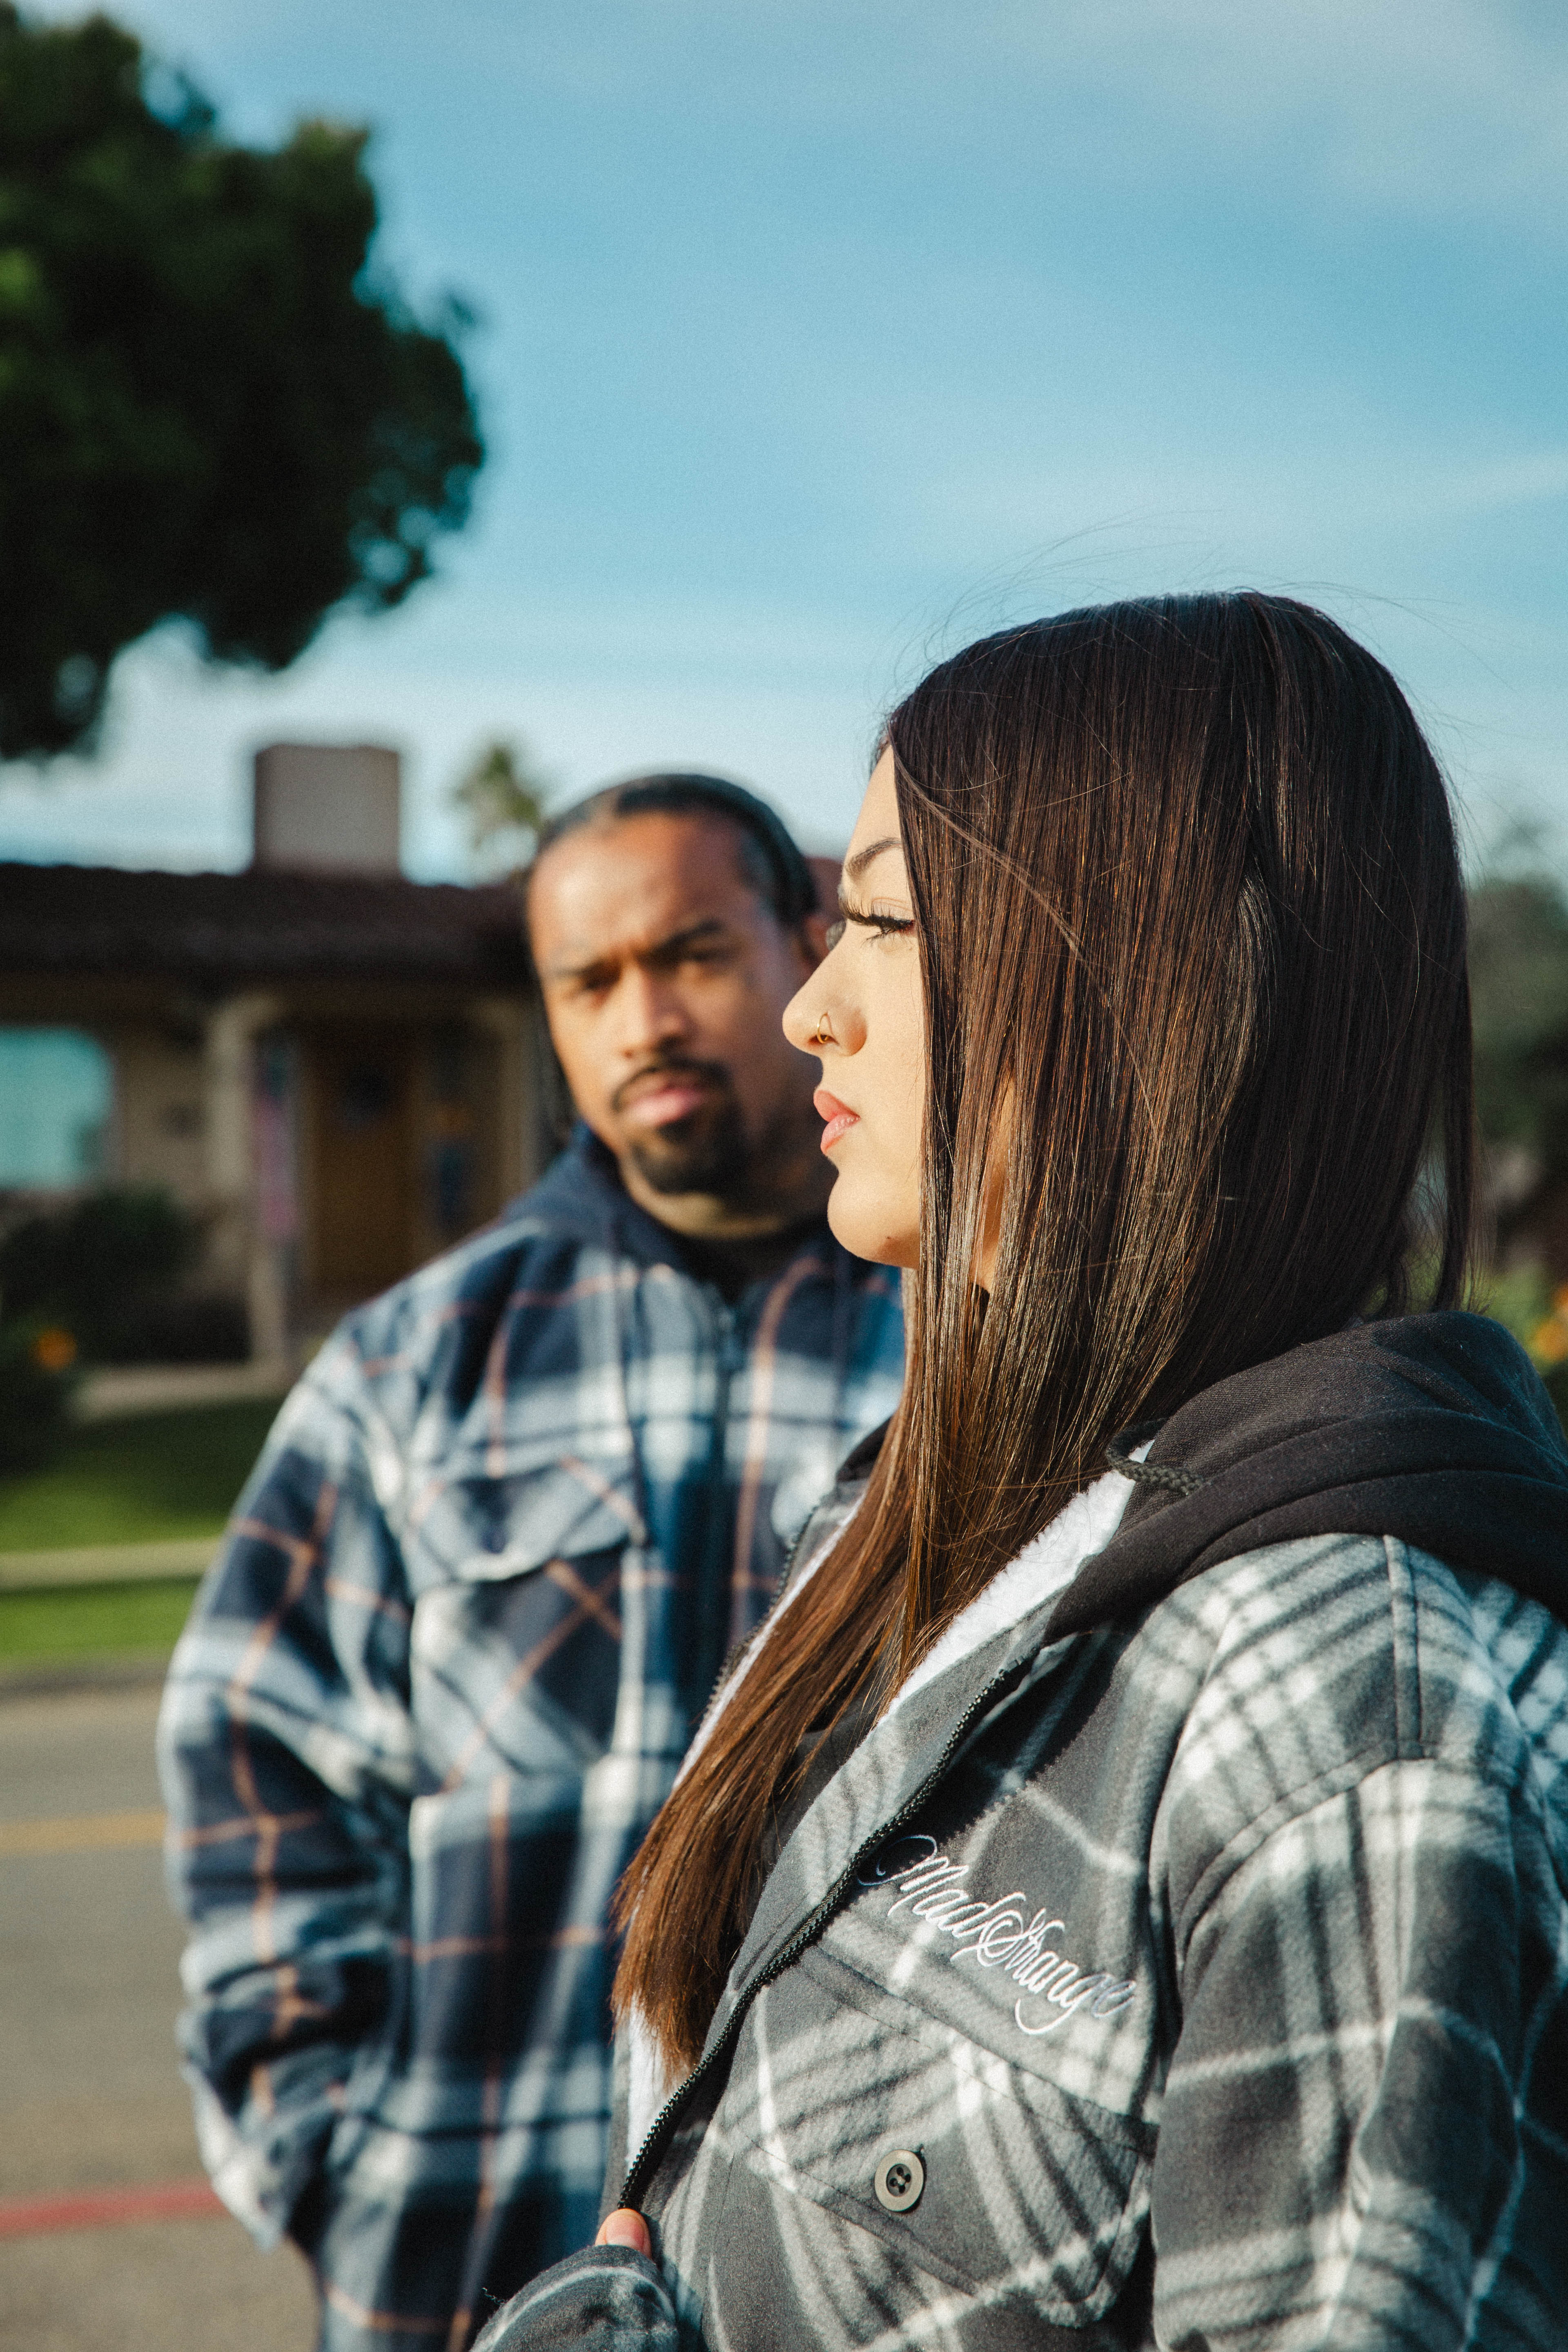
x: 855, y: 865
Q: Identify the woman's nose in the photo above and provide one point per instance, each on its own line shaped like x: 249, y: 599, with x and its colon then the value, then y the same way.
x: 820, y: 1021
x: 800, y: 1014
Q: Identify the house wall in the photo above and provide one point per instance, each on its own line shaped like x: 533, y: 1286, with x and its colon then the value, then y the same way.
x: 467, y: 1135
x: 159, y: 1132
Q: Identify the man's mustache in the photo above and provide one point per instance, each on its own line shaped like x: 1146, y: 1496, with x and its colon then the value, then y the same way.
x: 713, y: 1074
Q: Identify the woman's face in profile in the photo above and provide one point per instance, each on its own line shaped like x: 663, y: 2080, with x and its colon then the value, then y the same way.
x: 863, y: 1014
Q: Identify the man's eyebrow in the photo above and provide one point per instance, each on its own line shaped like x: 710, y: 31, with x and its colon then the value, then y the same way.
x: 855, y: 866
x: 660, y: 952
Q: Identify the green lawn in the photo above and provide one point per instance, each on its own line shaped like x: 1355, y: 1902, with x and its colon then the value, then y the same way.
x: 78, y: 1621
x: 146, y: 1479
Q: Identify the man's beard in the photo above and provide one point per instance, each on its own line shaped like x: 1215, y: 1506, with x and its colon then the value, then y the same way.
x: 705, y: 1153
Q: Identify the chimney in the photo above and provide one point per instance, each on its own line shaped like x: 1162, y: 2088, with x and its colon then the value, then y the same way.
x: 327, y: 808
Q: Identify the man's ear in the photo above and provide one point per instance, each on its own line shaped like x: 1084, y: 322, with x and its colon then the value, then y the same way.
x: 812, y: 934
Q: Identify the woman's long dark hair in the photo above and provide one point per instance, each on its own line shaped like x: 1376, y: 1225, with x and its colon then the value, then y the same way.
x: 1191, y: 933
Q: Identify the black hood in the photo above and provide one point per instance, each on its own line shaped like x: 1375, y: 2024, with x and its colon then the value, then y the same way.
x: 582, y: 1194
x: 1432, y: 1428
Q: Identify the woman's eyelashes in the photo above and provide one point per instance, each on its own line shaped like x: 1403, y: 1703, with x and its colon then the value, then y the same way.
x: 872, y: 919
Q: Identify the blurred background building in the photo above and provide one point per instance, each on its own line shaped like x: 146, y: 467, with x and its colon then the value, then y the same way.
x: 333, y: 1071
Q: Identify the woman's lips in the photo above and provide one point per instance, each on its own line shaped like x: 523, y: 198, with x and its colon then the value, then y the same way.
x: 837, y: 1117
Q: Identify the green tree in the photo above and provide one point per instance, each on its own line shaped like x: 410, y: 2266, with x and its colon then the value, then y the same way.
x: 1518, y: 986
x: 503, y: 796
x: 1519, y: 982
x: 210, y: 406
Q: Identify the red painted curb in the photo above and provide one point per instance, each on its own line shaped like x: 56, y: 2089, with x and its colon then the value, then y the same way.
x: 100, y: 2209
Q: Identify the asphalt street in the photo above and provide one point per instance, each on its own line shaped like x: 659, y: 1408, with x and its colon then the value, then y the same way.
x: 90, y: 2096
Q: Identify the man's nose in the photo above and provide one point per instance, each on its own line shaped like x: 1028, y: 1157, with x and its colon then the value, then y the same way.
x: 652, y: 1012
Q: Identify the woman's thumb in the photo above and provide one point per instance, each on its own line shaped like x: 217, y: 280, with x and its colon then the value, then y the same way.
x: 625, y: 2227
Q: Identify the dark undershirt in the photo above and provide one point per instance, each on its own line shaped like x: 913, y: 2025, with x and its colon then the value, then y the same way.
x: 733, y: 1266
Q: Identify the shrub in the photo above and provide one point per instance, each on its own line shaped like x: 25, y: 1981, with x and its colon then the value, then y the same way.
x: 37, y: 1365
x: 100, y: 1267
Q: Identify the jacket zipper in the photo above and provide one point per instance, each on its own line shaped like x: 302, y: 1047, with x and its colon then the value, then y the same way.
x: 661, y: 2130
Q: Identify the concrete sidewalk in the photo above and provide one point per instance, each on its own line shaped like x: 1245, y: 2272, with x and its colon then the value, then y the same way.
x: 119, y: 1389
x: 90, y: 2096
x: 136, y: 1563
x: 154, y: 2286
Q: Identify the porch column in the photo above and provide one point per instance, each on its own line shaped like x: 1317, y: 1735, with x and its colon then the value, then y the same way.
x: 238, y: 1252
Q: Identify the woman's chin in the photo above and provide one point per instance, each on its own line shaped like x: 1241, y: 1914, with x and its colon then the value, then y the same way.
x: 863, y: 1228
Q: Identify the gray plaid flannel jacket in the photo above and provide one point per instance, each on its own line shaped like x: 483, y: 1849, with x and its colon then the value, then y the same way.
x: 432, y: 1693
x: 1193, y: 1980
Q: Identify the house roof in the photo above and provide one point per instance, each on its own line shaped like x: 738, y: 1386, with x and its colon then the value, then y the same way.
x: 221, y: 929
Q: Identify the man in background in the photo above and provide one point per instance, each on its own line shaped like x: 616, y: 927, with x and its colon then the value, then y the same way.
x: 476, y: 1594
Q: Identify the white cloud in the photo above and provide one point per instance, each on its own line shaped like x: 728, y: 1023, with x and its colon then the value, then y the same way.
x: 1430, y: 106
x: 1436, y: 108
x: 599, y: 695
x: 1521, y: 481
x: 1425, y: 107
x: 174, y: 787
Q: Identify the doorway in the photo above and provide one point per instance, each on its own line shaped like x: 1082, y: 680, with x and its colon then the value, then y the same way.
x: 361, y: 1225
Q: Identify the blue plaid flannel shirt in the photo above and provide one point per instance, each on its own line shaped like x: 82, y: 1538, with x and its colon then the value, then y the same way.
x: 432, y: 1693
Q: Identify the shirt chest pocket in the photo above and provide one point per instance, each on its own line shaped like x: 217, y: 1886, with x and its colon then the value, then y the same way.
x: 965, y: 2168
x: 519, y: 1672
x: 523, y: 1568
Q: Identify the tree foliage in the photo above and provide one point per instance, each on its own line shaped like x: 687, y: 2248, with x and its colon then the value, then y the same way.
x: 209, y: 407
x: 1519, y: 982
x: 503, y: 797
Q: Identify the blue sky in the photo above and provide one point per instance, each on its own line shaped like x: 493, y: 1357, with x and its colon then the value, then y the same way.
x: 821, y: 335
